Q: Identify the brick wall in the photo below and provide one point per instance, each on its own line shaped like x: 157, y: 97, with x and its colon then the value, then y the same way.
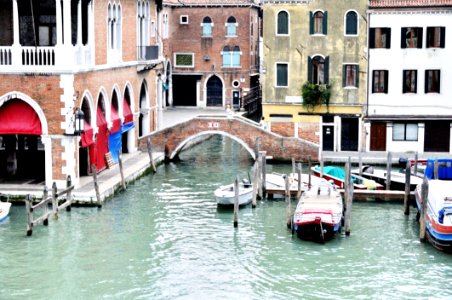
x: 308, y: 131
x: 283, y: 128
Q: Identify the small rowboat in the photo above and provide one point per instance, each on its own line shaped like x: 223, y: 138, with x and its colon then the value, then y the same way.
x: 225, y: 195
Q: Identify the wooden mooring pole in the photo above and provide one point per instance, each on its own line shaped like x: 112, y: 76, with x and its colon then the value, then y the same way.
x: 149, y: 144
x: 360, y: 163
x: 29, y: 215
x: 309, y: 170
x: 300, y: 180
x: 406, y: 198
x: 288, y: 201
x: 96, y: 186
x: 260, y: 193
x: 388, y: 171
x: 415, y: 163
x: 54, y: 201
x: 424, y: 196
x: 121, y: 171
x: 348, y: 197
x: 236, y: 202
x: 264, y: 172
x: 255, y: 184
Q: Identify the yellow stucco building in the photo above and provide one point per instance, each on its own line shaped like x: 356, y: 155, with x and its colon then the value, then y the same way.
x: 323, y: 42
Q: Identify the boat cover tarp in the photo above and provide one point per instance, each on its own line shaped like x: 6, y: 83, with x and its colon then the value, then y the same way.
x: 444, y: 169
x: 18, y: 117
x: 87, y: 136
x: 334, y: 171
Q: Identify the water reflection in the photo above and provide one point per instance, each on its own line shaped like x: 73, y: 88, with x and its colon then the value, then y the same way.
x: 165, y: 238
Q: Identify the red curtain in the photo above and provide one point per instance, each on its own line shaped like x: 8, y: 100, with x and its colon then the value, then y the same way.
x: 115, y: 120
x: 17, y: 117
x: 87, y: 136
x: 128, y: 115
x: 101, y: 140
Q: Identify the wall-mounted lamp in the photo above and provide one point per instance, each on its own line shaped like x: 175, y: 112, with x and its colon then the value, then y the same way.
x: 79, y: 122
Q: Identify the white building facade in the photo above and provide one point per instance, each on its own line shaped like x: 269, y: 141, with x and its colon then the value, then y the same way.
x: 409, y: 103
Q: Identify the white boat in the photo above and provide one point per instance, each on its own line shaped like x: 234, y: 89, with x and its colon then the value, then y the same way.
x: 319, y: 212
x: 397, y: 177
x: 225, y: 195
x: 438, y: 215
x: 4, y: 210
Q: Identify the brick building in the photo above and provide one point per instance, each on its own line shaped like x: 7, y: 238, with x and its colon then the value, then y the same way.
x: 61, y: 58
x: 212, y: 51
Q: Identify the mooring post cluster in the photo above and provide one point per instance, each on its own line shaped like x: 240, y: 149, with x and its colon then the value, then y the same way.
x: 46, y: 199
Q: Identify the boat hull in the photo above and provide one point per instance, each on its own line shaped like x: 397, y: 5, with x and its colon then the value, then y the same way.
x: 397, y: 178
x: 319, y: 213
x: 4, y: 210
x: 340, y: 182
x: 438, y: 215
x: 226, y: 195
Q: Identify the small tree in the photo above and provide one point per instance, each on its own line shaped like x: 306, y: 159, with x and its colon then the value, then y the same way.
x: 315, y: 94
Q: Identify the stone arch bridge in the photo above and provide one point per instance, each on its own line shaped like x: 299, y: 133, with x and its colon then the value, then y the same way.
x: 172, y: 140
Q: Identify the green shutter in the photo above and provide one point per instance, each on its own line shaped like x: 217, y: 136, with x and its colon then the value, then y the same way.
x: 326, y: 75
x: 357, y: 76
x: 325, y: 22
x: 311, y: 23
x: 344, y: 75
x: 309, y: 69
x: 419, y: 37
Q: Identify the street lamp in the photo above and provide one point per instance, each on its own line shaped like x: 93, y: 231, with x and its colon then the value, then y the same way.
x: 79, y: 124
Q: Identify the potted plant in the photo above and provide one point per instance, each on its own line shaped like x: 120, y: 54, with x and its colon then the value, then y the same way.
x: 315, y: 94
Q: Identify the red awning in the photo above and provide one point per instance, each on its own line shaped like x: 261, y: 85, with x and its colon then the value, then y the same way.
x: 18, y: 117
x: 87, y: 136
x: 115, y: 120
x: 128, y: 115
x: 101, y: 147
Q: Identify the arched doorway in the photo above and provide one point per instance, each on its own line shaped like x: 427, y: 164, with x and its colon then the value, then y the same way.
x: 214, y: 91
x: 101, y: 144
x: 115, y: 136
x: 20, y: 143
x: 87, y: 140
x: 143, y: 127
x: 127, y: 133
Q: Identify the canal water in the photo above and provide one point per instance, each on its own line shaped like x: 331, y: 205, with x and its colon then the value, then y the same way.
x: 165, y: 238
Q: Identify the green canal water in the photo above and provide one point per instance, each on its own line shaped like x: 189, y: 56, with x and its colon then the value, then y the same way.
x: 165, y: 238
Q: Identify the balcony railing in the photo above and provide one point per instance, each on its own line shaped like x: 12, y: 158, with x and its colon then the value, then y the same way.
x: 40, y: 58
x: 148, y: 52
x: 409, y: 3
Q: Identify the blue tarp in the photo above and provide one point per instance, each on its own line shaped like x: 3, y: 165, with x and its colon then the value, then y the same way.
x: 444, y: 169
x: 115, y: 141
x: 127, y: 127
x: 114, y: 145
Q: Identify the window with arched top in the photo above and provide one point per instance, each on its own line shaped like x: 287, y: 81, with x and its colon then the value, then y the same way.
x: 283, y: 23
x: 207, y: 27
x: 318, y: 69
x: 351, y: 23
x: 231, y: 27
x: 318, y: 22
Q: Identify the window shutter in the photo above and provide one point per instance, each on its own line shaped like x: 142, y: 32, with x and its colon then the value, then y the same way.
x: 311, y: 23
x: 326, y: 70
x: 439, y: 81
x: 403, y: 38
x: 415, y: 85
x: 310, y: 69
x: 344, y: 75
x: 419, y: 38
x: 357, y: 76
x: 325, y: 22
x: 373, y: 81
x: 442, y: 37
x: 426, y: 82
x: 386, y: 81
x: 388, y: 42
x: 372, y: 38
